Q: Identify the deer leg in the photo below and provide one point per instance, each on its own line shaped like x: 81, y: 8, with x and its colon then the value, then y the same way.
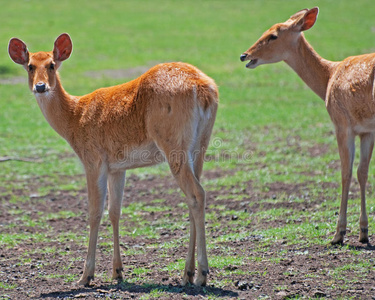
x: 181, y: 168
x: 116, y: 184
x: 196, y: 201
x: 197, y: 206
x: 345, y: 141
x: 179, y: 152
x: 197, y: 161
x: 190, y: 259
x: 97, y: 189
x: 367, y: 145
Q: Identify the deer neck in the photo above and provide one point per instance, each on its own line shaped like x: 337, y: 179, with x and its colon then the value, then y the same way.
x: 57, y: 107
x: 314, y: 70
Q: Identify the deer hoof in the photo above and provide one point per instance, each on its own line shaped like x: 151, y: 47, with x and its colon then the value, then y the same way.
x: 363, y: 236
x: 117, y: 274
x: 85, y: 280
x: 338, y: 239
x: 202, y: 278
x: 188, y: 278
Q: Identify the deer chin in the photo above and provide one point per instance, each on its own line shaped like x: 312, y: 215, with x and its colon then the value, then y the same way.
x: 43, y: 96
x: 252, y: 64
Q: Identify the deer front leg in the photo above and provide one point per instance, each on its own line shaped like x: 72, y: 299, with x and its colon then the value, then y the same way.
x: 116, y: 184
x: 345, y: 141
x: 367, y: 145
x: 97, y: 189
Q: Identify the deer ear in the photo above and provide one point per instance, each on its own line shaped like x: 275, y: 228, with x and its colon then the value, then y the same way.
x: 18, y: 51
x: 308, y: 19
x: 63, y: 47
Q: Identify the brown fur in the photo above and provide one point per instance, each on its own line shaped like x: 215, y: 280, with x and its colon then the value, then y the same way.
x: 347, y: 87
x: 166, y: 114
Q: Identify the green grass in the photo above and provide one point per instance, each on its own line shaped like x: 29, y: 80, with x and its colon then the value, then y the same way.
x: 267, y: 122
x: 7, y: 286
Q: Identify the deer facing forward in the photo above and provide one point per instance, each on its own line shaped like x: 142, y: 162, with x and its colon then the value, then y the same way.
x: 169, y: 111
x: 348, y: 89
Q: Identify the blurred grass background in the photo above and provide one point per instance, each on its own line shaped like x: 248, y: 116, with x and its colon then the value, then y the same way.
x: 268, y: 115
x: 268, y: 111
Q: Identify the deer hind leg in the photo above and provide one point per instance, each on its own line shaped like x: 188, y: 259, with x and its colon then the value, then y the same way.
x: 181, y: 166
x: 367, y: 145
x: 177, y: 135
x: 116, y: 184
x: 197, y: 209
x: 196, y: 200
x: 198, y: 160
x: 189, y: 271
x: 97, y: 190
x: 345, y: 141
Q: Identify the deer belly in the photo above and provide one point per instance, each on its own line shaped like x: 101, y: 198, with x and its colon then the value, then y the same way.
x: 136, y: 157
x: 365, y: 126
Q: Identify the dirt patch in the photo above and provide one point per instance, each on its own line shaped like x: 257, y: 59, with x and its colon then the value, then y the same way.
x: 40, y: 270
x: 318, y: 150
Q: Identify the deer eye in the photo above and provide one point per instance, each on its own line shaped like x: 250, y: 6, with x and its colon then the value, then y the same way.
x: 52, y: 66
x: 273, y: 37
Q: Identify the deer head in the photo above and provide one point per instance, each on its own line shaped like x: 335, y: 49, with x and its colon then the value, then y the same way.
x: 274, y: 45
x: 41, y: 66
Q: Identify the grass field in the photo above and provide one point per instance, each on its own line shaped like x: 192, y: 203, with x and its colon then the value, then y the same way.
x: 272, y: 175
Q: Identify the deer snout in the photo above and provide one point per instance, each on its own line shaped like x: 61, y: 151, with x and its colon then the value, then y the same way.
x: 243, y: 57
x: 40, y: 87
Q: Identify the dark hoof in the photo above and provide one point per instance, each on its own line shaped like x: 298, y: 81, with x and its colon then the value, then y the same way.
x: 338, y: 243
x: 89, y: 279
x: 363, y: 236
x: 119, y: 271
x: 364, y: 240
x: 190, y: 274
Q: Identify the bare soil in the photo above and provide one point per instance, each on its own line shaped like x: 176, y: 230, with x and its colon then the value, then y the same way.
x: 301, y: 273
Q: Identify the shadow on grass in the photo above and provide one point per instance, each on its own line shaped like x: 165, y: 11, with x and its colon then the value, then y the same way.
x: 131, y: 288
x: 367, y: 246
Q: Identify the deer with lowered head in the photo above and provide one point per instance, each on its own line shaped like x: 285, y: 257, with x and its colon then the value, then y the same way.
x: 167, y: 112
x: 348, y: 89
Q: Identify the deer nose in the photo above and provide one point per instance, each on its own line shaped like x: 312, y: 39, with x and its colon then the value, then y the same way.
x: 243, y: 57
x: 40, y: 87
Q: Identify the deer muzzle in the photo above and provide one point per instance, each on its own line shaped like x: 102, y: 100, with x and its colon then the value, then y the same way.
x: 40, y: 87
